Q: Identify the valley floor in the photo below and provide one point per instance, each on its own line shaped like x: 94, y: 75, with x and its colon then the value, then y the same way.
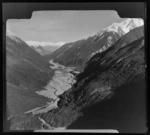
x: 61, y: 81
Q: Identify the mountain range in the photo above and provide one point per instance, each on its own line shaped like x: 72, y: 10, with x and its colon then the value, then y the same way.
x: 79, y: 52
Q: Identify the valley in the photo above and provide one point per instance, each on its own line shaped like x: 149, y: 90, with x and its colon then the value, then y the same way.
x: 60, y: 82
x: 103, y: 73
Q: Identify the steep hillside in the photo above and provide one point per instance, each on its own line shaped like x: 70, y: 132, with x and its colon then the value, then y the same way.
x: 26, y: 71
x: 77, y: 53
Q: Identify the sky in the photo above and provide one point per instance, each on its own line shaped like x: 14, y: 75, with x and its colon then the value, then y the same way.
x: 62, y: 26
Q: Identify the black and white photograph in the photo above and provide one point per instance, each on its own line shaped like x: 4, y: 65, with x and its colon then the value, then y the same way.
x: 75, y: 71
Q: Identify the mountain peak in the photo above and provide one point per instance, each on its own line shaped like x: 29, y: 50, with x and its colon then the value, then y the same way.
x: 123, y: 27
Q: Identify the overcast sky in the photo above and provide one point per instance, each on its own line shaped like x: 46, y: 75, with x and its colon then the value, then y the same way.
x: 61, y: 26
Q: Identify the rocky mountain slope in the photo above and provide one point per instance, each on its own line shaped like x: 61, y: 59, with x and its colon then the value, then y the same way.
x: 77, y: 53
x: 26, y: 71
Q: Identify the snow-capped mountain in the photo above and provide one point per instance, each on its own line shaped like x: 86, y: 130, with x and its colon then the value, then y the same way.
x: 123, y: 27
x: 37, y: 43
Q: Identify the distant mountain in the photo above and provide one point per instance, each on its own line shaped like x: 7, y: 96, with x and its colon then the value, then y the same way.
x: 37, y: 43
x: 39, y: 49
x: 26, y: 72
x: 77, y: 53
x: 44, y: 48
